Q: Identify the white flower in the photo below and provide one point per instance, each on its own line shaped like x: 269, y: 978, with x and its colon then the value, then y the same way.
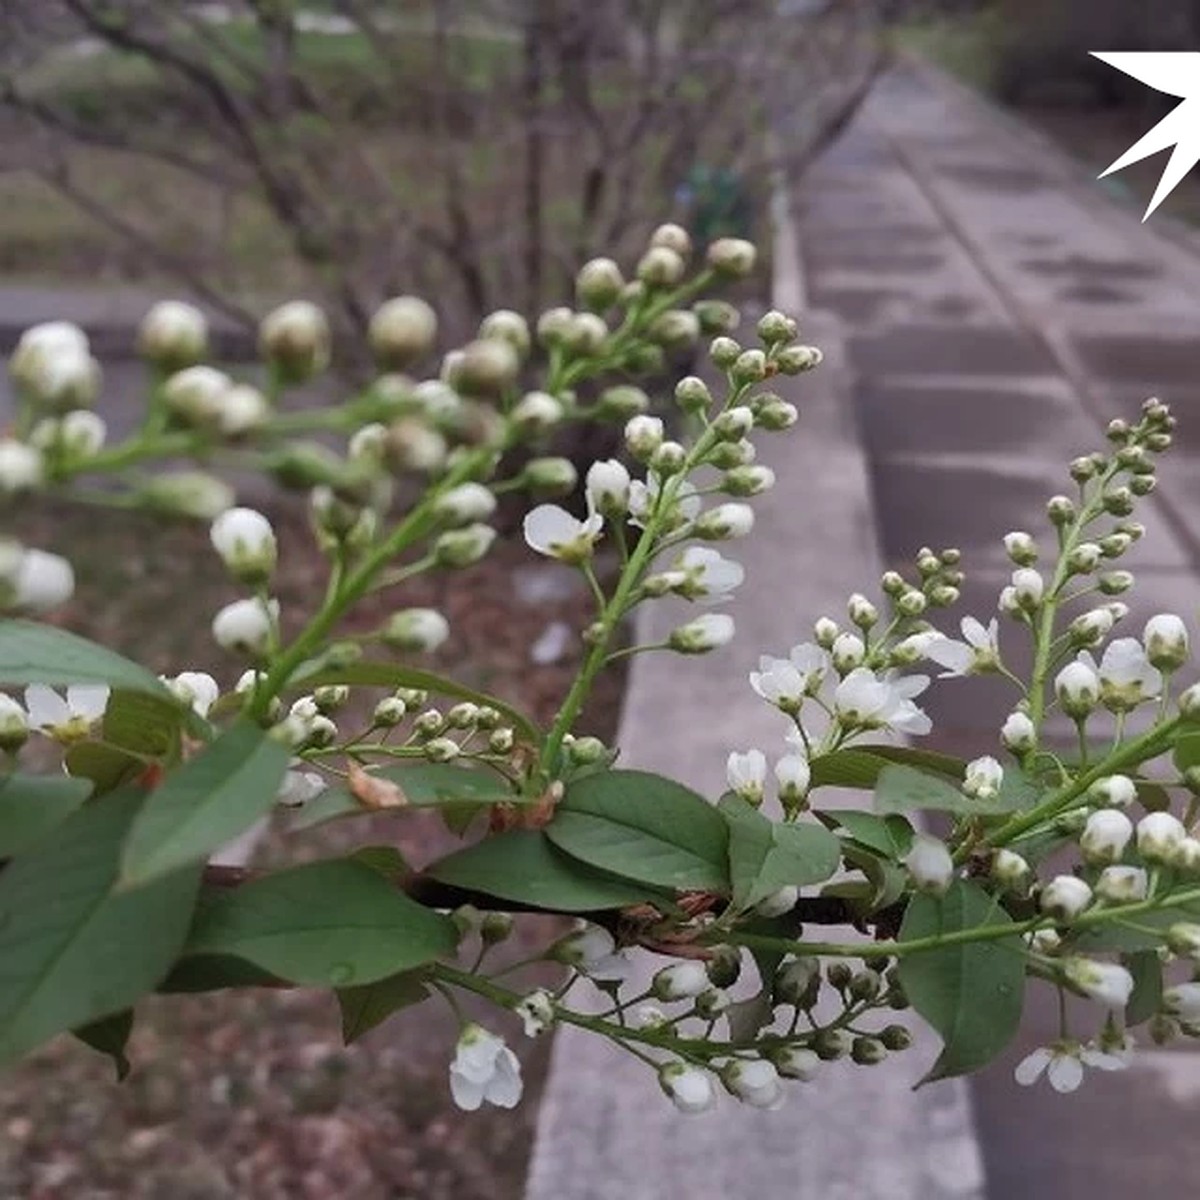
x: 1105, y: 836
x: 1122, y: 885
x: 793, y: 774
x: 1028, y: 588
x: 705, y: 633
x: 1114, y: 791
x: 1010, y: 869
x: 864, y: 700
x: 484, y: 1070
x: 607, y: 486
x: 70, y: 719
x: 1126, y: 677
x: 417, y: 630
x: 1018, y: 732
x: 778, y: 681
x: 754, y: 1082
x: 592, y: 951
x: 299, y: 787
x: 978, y: 651
x: 401, y: 330
x: 1183, y: 1001
x: 1165, y: 640
x: 1159, y: 835
x: 1077, y: 687
x: 797, y: 1062
x: 537, y: 411
x: 79, y: 435
x: 295, y: 338
x: 929, y: 863
x: 1063, y: 1065
x: 195, y: 689
x: 246, y: 543
x: 239, y: 409
x: 680, y: 981
x: 41, y: 581
x: 173, y: 334
x: 21, y: 467
x: 1065, y: 897
x: 648, y: 1016
x: 536, y: 1011
x: 778, y: 903
x: 54, y: 365
x: 1105, y: 983
x: 552, y: 531
x: 983, y: 778
x: 1021, y: 548
x: 690, y: 1089
x: 1091, y: 628
x: 466, y: 503
x: 847, y: 652
x: 643, y: 497
x: 246, y: 626
x: 195, y: 394
x: 746, y: 774
x: 732, y: 520
x: 708, y: 576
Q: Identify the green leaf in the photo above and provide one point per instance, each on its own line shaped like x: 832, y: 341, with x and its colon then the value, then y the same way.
x: 105, y: 766
x: 205, y: 803
x: 73, y: 947
x: 644, y: 827
x: 109, y: 1036
x: 34, y: 653
x: 325, y: 924
x: 387, y: 860
x: 901, y: 789
x: 215, y: 972
x: 859, y: 766
x: 425, y: 785
x: 32, y: 805
x: 523, y: 867
x: 972, y: 993
x: 1187, y: 751
x: 363, y: 1008
x: 387, y: 675
x: 890, y: 835
x: 1146, y: 999
x: 886, y: 881
x: 143, y: 723
x: 765, y: 856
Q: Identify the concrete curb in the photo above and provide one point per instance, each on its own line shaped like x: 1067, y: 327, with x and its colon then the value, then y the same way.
x: 603, y: 1132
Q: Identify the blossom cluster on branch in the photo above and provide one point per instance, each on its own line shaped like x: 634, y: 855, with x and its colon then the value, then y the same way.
x: 1071, y: 861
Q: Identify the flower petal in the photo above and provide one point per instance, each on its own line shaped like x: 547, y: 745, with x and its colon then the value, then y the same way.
x: 45, y: 706
x: 1030, y: 1068
x: 88, y: 699
x: 1065, y: 1073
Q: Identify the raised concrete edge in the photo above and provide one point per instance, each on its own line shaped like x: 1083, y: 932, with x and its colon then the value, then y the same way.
x: 603, y: 1131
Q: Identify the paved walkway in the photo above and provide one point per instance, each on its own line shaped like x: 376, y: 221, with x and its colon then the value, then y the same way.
x: 1000, y: 308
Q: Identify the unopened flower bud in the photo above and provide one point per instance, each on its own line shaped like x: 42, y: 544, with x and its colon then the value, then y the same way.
x: 668, y: 459
x: 1114, y: 583
x: 1107, y: 832
x: 442, y: 750
x: 643, y: 436
x: 53, y: 366
x: 1065, y: 897
x: 1189, y: 701
x: 705, y: 633
x: 832, y: 1044
x: 825, y: 632
x: 621, y: 402
x: 847, y: 653
x: 731, y: 520
x: 186, y: 494
x: 778, y: 903
x: 415, y: 630
x: 660, y: 267
x: 1090, y: 628
x: 1184, y: 940
x: 929, y: 864
x: 797, y: 982
x: 734, y: 423
x: 1060, y: 510
x: 295, y: 340
x: 1166, y: 641
x: 599, y: 284
x: 536, y: 412
x: 774, y: 327
x: 246, y: 626
x: 776, y: 415
x: 505, y: 325
x: 1010, y: 870
x: 680, y: 981
x: 389, y: 712
x: 550, y: 476
x: 912, y: 602
x: 689, y: 1088
x: 401, y: 331
x: 749, y: 367
x: 246, y: 543
x: 675, y: 329
x: 1158, y: 836
x: 173, y: 335
x: 1029, y: 588
x: 1121, y: 885
x: 748, y: 481
x: 796, y: 359
x: 1078, y: 690
x: 724, y: 352
x: 1018, y: 732
x: 1106, y: 983
x: 733, y: 257
x: 1084, y: 558
x: 867, y: 1051
x: 488, y: 366
x: 716, y: 316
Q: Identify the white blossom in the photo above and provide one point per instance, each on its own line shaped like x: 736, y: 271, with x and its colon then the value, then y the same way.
x: 779, y: 902
x: 731, y: 520
x: 707, y: 575
x: 797, y: 1062
x: 1028, y: 588
x: 1159, y: 835
x: 1063, y: 1065
x: 864, y: 700
x: 246, y: 543
x: 1126, y: 677
x: 978, y: 651
x: 705, y: 633
x: 983, y: 778
x: 173, y: 334
x: 466, y: 503
x: 607, y: 486
x: 1077, y: 687
x: 746, y: 774
x: 553, y: 531
x: 778, y: 681
x: 929, y: 863
x: 299, y: 787
x: 689, y: 1088
x: 196, y: 689
x: 484, y: 1070
x: 536, y: 1010
x: 1122, y: 885
x: 1018, y: 732
x: 1183, y: 1001
x: 66, y: 719
x: 53, y: 364
x: 1106, y: 983
x: 41, y: 581
x: 1065, y: 897
x: 592, y: 951
x: 14, y: 724
x: 794, y: 775
x: 754, y: 1082
x: 643, y: 497
x: 21, y: 467
x: 680, y: 981
x: 1166, y: 641
x: 1107, y: 832
x: 246, y: 626
x: 643, y: 435
x: 418, y: 630
x: 1114, y: 791
x: 847, y: 652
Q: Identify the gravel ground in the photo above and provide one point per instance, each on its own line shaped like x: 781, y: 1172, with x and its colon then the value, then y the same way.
x: 252, y: 1095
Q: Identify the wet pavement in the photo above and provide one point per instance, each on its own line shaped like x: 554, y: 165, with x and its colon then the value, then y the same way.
x: 1000, y: 308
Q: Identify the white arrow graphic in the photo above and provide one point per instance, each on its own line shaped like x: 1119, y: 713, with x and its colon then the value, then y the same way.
x: 1175, y: 73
